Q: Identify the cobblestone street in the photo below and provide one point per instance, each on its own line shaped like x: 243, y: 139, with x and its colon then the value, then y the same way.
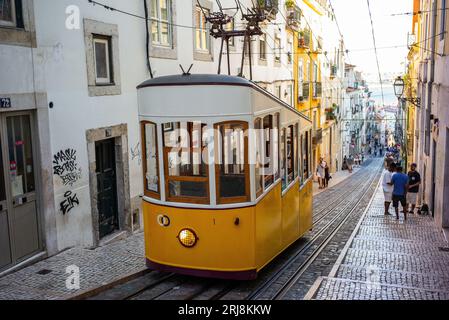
x: 47, y: 279
x: 389, y: 260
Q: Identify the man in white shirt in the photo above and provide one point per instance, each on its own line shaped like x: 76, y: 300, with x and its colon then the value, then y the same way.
x: 387, y: 187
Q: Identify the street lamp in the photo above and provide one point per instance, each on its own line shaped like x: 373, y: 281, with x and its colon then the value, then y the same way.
x: 399, y: 86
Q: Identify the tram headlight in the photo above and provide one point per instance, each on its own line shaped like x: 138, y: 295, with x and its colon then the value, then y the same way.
x: 188, y: 238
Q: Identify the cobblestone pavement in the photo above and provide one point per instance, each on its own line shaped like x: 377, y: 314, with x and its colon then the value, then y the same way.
x: 330, y: 207
x: 47, y: 279
x: 389, y: 260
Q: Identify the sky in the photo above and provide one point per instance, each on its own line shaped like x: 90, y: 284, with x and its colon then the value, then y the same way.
x: 354, y: 21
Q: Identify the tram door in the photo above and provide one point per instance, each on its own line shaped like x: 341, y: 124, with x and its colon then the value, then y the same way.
x: 107, y: 187
x: 19, y: 223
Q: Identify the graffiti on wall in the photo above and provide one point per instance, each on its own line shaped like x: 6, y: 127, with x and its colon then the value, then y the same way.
x: 70, y: 201
x: 66, y: 166
x: 136, y: 154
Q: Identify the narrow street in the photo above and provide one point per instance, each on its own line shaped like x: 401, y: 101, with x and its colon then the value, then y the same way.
x: 150, y: 149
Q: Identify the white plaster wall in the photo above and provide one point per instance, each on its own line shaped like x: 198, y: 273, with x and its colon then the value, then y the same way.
x: 16, y: 70
x: 60, y: 62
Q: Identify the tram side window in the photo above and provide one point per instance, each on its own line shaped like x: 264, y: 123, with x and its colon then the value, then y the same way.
x: 150, y: 163
x: 295, y: 151
x: 305, y: 156
x: 309, y: 171
x: 259, y: 136
x: 283, y: 160
x: 275, y: 138
x: 186, y: 173
x: 290, y: 154
x: 231, y: 162
x: 269, y: 159
x: 301, y: 157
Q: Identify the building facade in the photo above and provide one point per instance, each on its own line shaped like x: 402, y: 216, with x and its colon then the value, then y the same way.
x: 429, y: 64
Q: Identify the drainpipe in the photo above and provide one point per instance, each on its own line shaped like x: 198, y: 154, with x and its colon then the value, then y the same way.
x: 147, y: 38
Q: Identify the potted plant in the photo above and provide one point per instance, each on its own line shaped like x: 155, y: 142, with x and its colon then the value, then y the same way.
x: 290, y: 4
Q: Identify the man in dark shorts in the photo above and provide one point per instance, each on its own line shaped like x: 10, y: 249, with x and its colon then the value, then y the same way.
x: 414, y: 181
x: 400, y: 181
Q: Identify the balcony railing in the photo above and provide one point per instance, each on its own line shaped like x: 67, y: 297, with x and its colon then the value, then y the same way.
x: 304, y: 39
x: 317, y: 136
x: 317, y: 89
x: 304, y: 91
x: 293, y: 17
x: 270, y: 8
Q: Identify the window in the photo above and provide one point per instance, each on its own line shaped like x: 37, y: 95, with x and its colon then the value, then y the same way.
x: 161, y: 16
x: 151, y: 161
x: 231, y: 162
x: 102, y: 57
x: 202, y: 39
x: 290, y: 51
x: 443, y: 19
x: 305, y: 156
x: 259, y: 136
x: 278, y: 91
x: 290, y: 154
x: 103, y: 66
x: 283, y: 160
x: 269, y: 156
x: 275, y: 138
x: 263, y: 47
x: 186, y: 173
x: 7, y: 13
x: 277, y: 49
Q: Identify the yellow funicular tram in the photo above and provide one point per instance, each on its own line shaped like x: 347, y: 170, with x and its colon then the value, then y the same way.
x: 227, y: 175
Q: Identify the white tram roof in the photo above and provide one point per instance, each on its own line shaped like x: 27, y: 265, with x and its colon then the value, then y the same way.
x: 225, y: 95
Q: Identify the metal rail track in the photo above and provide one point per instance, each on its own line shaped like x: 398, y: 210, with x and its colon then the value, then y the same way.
x: 219, y: 289
x: 312, y: 257
x: 322, y: 213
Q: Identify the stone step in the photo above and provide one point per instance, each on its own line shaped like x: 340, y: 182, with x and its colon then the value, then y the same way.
x: 397, y: 261
x: 343, y: 289
x: 428, y: 281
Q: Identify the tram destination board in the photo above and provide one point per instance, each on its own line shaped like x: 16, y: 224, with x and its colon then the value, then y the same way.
x: 5, y: 103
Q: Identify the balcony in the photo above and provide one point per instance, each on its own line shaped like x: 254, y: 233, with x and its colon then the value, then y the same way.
x: 304, y: 91
x: 293, y: 16
x: 317, y: 90
x: 270, y: 8
x: 317, y: 137
x: 304, y: 39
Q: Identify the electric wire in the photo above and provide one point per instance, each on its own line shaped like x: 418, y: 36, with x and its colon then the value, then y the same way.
x: 375, y: 50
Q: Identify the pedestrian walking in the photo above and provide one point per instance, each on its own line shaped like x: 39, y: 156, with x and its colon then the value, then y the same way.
x: 387, y: 187
x: 399, y: 181
x: 327, y: 175
x: 413, y: 189
x: 350, y: 163
x: 320, y: 172
x: 363, y: 157
x: 345, y: 163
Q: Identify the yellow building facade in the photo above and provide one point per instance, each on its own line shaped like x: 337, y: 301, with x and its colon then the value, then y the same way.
x: 307, y: 73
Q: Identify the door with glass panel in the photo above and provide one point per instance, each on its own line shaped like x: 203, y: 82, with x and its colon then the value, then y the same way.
x: 19, y: 222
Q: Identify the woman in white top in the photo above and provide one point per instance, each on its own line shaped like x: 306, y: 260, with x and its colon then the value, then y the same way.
x: 320, y: 172
x: 387, y: 188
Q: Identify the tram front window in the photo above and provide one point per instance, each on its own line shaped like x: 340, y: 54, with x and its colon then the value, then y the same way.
x: 186, y: 173
x: 232, y: 169
x: 150, y: 164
